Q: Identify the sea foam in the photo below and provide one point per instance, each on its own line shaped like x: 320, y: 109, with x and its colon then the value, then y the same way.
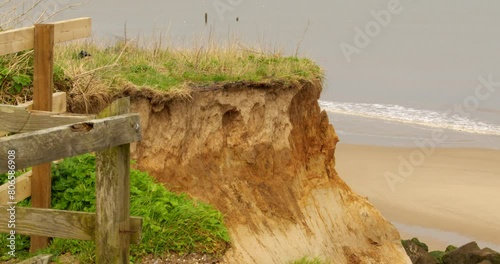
x: 397, y: 113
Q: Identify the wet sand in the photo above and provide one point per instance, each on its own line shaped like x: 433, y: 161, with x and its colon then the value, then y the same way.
x: 443, y: 195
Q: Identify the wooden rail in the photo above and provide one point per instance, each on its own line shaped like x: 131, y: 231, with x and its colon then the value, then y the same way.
x: 16, y: 40
x: 23, y: 189
x: 61, y: 224
x: 58, y: 106
x: 46, y: 145
x: 17, y: 119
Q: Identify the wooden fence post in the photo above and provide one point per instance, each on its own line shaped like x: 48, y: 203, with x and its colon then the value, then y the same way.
x: 113, y: 197
x: 42, y: 100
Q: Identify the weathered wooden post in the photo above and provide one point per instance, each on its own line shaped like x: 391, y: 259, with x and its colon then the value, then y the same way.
x: 42, y: 100
x: 113, y: 196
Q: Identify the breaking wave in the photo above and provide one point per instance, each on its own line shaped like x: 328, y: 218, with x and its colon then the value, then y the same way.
x: 398, y: 113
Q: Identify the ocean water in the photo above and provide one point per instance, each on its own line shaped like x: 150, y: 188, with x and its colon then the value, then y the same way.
x: 394, y: 72
x: 399, y: 126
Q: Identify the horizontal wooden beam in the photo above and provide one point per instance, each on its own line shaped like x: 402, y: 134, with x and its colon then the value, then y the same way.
x: 59, y: 103
x: 16, y: 40
x: 17, y: 119
x: 51, y: 144
x: 72, y: 29
x: 58, y: 223
x: 23, y: 189
x: 58, y: 106
x: 40, y: 259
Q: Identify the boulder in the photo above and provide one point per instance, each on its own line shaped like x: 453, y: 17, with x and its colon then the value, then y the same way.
x: 417, y: 253
x: 471, y: 254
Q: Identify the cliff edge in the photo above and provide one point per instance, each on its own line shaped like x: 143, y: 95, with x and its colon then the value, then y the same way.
x: 263, y: 154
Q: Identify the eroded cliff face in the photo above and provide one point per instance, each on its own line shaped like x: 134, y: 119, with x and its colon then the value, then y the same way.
x: 264, y: 156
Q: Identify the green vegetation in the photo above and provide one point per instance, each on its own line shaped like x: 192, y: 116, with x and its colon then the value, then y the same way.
x: 437, y: 254
x: 111, y: 68
x: 16, y: 78
x: 307, y: 260
x: 171, y: 68
x: 420, y: 244
x: 171, y: 223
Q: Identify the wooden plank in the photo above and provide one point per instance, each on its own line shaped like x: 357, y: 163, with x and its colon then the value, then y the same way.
x: 43, y: 74
x: 59, y: 103
x: 72, y: 29
x: 23, y: 38
x: 23, y: 189
x: 17, y: 119
x: 17, y: 40
x: 58, y: 223
x: 51, y: 144
x: 40, y: 259
x: 113, y: 196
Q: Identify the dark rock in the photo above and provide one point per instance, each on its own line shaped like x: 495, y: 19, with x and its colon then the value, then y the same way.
x: 417, y: 253
x: 83, y: 54
x: 471, y: 254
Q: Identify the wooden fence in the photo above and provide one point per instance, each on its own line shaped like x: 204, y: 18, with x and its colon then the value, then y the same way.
x: 50, y: 136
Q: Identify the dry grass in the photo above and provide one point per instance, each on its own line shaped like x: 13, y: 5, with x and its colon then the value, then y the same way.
x: 173, y: 69
x: 163, y: 68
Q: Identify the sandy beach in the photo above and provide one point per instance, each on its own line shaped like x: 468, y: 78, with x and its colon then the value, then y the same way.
x: 442, y: 196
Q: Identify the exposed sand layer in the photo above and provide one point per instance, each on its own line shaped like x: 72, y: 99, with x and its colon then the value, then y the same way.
x: 264, y: 156
x: 453, y: 190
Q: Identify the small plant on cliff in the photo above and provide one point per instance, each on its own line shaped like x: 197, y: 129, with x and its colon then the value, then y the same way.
x: 171, y: 222
x: 307, y: 260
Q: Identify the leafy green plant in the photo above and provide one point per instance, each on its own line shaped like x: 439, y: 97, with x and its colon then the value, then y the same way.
x: 20, y: 81
x: 4, y: 74
x: 450, y: 248
x: 171, y: 222
x: 438, y: 255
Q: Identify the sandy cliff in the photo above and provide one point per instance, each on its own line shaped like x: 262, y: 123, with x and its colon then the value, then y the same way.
x: 264, y: 156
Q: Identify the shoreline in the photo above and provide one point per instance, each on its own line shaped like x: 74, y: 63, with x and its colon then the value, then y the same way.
x: 452, y: 190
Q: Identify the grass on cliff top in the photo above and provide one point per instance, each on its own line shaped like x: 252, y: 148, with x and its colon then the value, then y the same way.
x: 168, y: 69
x: 171, y: 223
